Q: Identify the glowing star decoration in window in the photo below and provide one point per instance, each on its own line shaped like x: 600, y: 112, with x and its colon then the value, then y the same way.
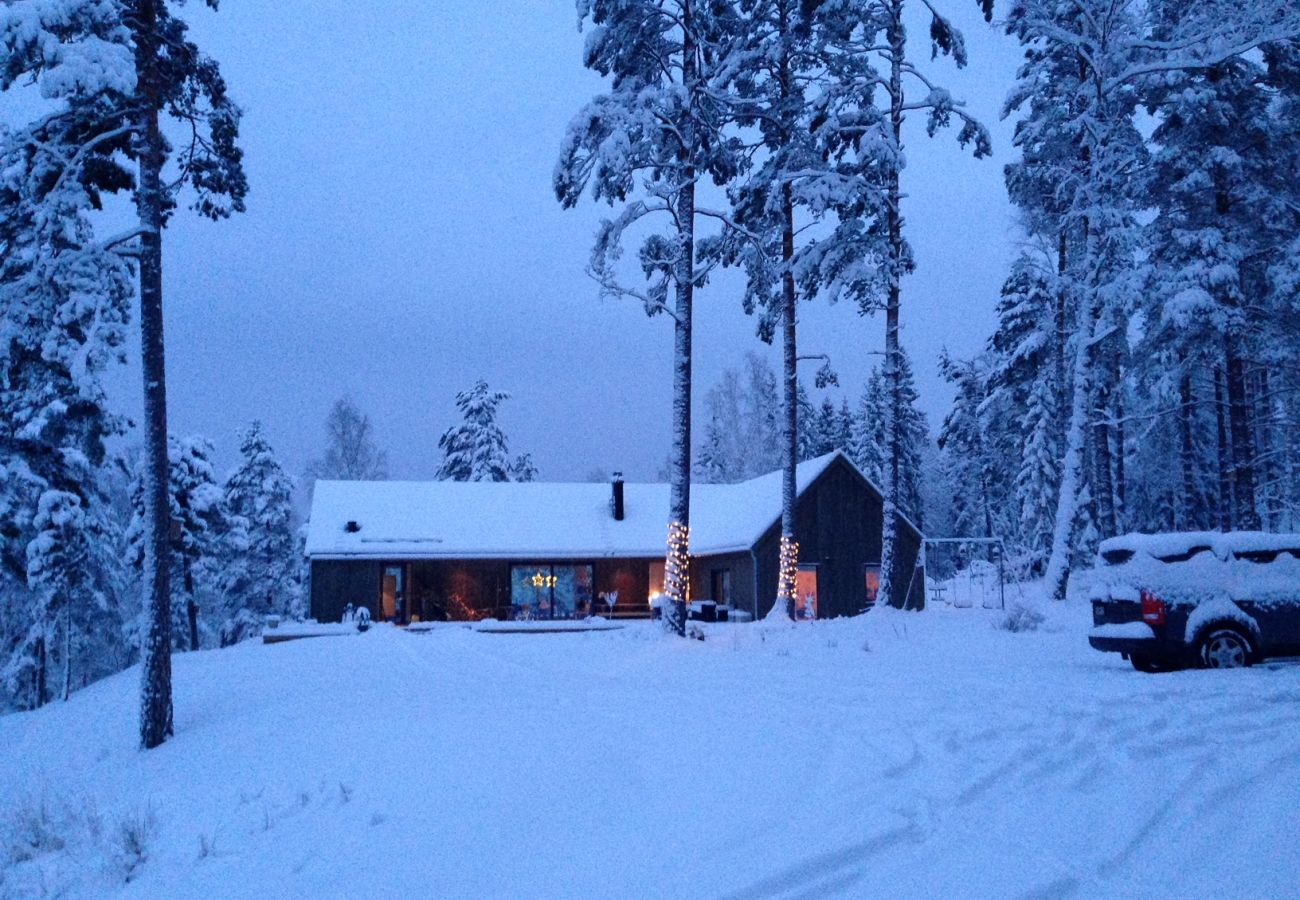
x: 541, y: 580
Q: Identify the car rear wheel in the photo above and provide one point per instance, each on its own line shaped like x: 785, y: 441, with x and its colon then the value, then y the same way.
x: 1225, y: 648
x: 1150, y: 664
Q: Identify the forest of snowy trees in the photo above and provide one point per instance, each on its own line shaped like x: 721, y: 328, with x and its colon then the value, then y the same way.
x: 1143, y: 375
x: 1145, y: 371
x: 1150, y: 318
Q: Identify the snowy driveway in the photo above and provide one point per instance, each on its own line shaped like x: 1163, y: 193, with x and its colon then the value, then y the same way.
x: 949, y: 759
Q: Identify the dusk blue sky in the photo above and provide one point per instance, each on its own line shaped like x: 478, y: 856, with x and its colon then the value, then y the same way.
x: 402, y: 240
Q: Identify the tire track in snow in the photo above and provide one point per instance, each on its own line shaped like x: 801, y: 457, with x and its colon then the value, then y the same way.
x: 824, y: 874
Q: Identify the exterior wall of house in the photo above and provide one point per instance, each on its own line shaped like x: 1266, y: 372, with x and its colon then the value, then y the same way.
x: 631, y: 578
x: 838, y: 526
x: 336, y: 583
x: 463, y: 589
x: 741, y: 569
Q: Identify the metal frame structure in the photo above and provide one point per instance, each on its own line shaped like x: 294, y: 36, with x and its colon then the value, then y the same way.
x: 986, y: 541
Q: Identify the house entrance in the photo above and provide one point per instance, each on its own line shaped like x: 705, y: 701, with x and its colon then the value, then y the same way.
x: 392, y: 594
x: 805, y: 592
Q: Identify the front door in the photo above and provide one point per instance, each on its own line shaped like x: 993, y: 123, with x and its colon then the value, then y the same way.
x: 720, y: 583
x: 805, y: 592
x: 392, y: 594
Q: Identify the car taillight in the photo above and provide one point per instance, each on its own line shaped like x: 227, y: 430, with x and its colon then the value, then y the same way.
x: 1153, y: 608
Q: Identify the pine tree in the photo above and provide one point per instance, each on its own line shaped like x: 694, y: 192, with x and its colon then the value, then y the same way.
x: 810, y: 440
x: 828, y: 427
x: 476, y: 449
x: 654, y: 134
x: 1216, y: 183
x: 113, y: 70
x: 64, y: 304
x: 1036, y: 479
x: 523, y: 468
x: 868, y: 446
x: 1078, y: 92
x: 940, y: 108
x: 800, y: 85
x: 1081, y: 136
x: 914, y: 437
x: 200, y: 527
x: 262, y: 572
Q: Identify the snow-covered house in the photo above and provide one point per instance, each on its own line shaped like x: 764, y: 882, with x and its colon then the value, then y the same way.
x: 466, y: 550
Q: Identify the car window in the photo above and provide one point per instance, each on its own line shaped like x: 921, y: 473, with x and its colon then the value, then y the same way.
x: 1117, y: 557
x: 1267, y: 556
x: 1183, y: 557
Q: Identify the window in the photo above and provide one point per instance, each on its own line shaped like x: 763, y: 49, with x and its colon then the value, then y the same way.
x: 656, y: 579
x: 720, y: 586
x: 805, y: 592
x: 872, y: 583
x: 550, y: 592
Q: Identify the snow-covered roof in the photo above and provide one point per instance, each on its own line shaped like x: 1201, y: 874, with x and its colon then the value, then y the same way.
x: 545, y: 520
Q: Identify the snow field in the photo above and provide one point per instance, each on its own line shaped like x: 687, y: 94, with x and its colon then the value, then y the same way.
x: 914, y: 755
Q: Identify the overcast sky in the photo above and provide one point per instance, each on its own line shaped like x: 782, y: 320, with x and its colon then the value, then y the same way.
x: 402, y: 240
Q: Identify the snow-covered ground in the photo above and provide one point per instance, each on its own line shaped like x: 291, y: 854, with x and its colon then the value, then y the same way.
x: 894, y: 754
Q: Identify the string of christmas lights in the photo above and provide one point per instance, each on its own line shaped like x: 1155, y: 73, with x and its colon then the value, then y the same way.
x: 788, y: 572
x: 677, y: 568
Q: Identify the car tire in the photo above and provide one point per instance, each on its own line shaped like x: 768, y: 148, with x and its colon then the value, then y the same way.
x: 1150, y: 664
x: 1224, y: 647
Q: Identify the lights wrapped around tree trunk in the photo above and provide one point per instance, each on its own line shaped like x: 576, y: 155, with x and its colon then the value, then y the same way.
x: 787, y: 577
x: 677, y: 577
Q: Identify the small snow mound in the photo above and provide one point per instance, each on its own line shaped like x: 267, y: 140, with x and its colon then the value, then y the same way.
x: 1021, y: 617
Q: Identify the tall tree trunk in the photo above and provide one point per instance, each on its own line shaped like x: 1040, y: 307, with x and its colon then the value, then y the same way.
x: 42, y: 669
x: 1102, y: 483
x: 1062, y: 329
x: 1245, y: 514
x: 677, y: 563
x: 788, y: 558
x: 67, y: 656
x: 191, y: 608
x: 1120, y: 451
x: 1073, y: 477
x: 893, y: 370
x: 1267, y: 459
x: 1224, y: 456
x: 1191, y: 504
x: 156, y: 686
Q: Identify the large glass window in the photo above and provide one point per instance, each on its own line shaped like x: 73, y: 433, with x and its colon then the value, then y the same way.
x: 872, y: 583
x: 550, y: 592
x: 805, y: 592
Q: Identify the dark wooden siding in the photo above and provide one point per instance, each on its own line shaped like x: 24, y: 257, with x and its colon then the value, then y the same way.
x: 741, y: 566
x: 837, y: 524
x: 335, y: 583
x: 631, y: 578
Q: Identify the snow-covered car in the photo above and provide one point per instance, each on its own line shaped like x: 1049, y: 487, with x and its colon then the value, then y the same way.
x: 1166, y: 601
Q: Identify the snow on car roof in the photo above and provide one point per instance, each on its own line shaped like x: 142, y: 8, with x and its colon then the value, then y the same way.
x: 1180, y: 542
x: 459, y: 519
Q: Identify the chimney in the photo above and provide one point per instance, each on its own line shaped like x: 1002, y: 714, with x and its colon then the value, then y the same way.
x: 617, y: 500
